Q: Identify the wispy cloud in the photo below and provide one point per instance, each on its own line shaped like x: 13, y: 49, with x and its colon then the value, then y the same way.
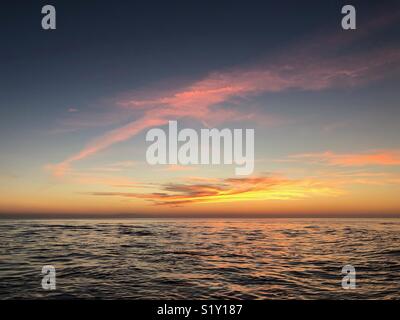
x: 176, y: 168
x: 345, y: 176
x: 115, y: 166
x: 233, y: 189
x: 204, y: 100
x: 98, y: 178
x: 114, y: 136
x: 378, y: 158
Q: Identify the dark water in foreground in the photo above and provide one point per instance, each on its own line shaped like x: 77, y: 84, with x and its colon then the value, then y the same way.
x: 200, y: 259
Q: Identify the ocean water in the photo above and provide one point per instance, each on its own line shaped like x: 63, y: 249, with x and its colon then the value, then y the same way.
x: 200, y: 258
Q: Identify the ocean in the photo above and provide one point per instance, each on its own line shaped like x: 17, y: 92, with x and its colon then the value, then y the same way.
x: 200, y: 258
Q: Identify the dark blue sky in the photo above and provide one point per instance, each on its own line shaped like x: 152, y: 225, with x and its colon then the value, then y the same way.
x: 103, y: 47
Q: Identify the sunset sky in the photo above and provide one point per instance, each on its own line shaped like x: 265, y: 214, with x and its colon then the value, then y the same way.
x: 76, y: 103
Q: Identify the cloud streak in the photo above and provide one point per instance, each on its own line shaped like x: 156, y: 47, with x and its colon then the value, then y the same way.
x: 206, y: 100
x: 372, y: 158
x: 232, y: 190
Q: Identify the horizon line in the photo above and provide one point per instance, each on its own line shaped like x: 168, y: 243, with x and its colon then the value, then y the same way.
x: 75, y: 216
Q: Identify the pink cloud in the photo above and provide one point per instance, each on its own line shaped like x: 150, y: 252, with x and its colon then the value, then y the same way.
x: 203, y: 99
x: 380, y: 158
x: 114, y: 136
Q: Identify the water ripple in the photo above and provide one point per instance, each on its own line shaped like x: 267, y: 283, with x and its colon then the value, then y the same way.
x: 200, y: 259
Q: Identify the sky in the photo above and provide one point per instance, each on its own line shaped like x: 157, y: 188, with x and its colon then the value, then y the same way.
x: 76, y: 104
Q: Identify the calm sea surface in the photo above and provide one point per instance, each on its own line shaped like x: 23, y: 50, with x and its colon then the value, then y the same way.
x: 200, y: 259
